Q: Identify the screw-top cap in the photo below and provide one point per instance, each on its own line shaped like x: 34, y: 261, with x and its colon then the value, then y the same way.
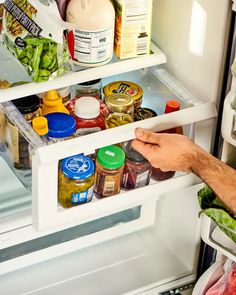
x: 27, y: 104
x: 63, y: 92
x: 40, y: 125
x: 87, y: 107
x: 77, y: 167
x: 111, y: 157
x: 119, y: 102
x: 91, y: 83
x: 60, y: 125
x: 172, y: 106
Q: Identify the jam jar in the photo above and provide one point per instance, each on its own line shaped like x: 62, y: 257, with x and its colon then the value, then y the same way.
x: 121, y: 110
x: 90, y: 88
x: 16, y: 143
x: 75, y: 181
x: 137, y: 170
x: 109, y: 168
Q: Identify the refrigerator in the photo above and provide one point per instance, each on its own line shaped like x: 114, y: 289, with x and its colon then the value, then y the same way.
x: 149, y: 240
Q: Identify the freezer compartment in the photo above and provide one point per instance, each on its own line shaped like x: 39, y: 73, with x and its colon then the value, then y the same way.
x: 158, y: 87
x: 157, y: 258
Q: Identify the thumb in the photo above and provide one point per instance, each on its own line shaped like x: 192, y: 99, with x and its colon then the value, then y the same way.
x: 147, y: 136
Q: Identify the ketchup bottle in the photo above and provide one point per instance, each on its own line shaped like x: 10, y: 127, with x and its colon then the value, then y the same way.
x: 157, y: 173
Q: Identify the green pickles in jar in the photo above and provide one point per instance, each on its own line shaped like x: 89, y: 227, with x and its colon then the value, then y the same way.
x: 121, y: 110
x: 75, y: 181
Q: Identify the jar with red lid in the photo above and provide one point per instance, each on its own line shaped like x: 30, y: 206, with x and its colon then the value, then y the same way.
x: 87, y: 115
x: 137, y: 170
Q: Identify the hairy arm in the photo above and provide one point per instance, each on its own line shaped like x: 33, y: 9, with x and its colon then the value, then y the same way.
x: 173, y: 152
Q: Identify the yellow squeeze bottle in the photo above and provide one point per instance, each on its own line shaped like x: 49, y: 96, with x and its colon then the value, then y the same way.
x: 52, y: 102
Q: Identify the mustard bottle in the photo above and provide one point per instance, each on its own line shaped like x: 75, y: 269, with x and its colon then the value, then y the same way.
x: 52, y: 103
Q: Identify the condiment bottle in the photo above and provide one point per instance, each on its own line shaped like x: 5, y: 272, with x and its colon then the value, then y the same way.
x: 75, y: 183
x: 91, y: 43
x: 158, y: 174
x: 60, y: 127
x: 109, y: 168
x: 64, y: 93
x: 137, y: 170
x: 87, y: 116
x: 52, y: 103
x: 17, y: 144
x: 121, y: 110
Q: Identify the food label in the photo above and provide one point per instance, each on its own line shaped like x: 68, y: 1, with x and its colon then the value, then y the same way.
x: 93, y: 47
x: 12, y: 142
x: 141, y: 179
x: 83, y: 197
x: 109, y: 185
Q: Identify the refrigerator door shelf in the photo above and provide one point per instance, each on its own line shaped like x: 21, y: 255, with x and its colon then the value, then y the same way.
x: 8, y: 62
x: 228, y: 120
x: 213, y: 236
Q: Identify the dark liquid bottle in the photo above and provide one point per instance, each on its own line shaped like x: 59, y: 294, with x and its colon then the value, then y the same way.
x: 157, y: 173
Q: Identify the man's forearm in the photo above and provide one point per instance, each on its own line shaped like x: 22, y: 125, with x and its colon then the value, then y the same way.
x: 220, y: 177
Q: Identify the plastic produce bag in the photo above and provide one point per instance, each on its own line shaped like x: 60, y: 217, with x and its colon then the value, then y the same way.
x: 218, y: 212
x: 226, y: 285
x: 33, y: 32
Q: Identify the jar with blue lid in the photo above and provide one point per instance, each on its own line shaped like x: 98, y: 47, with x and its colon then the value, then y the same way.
x: 75, y: 181
x: 61, y: 126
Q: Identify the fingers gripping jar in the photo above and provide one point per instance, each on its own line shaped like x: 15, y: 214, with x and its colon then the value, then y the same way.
x: 76, y: 178
x: 121, y: 110
x: 109, y: 168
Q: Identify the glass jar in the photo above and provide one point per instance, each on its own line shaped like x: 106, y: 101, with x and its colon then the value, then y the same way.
x: 109, y: 168
x: 90, y: 88
x: 16, y: 143
x: 143, y: 113
x: 125, y: 87
x: 87, y: 116
x: 137, y: 170
x: 121, y: 110
x: 61, y: 127
x: 75, y: 181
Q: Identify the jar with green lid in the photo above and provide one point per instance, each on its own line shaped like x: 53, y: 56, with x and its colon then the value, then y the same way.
x: 75, y: 181
x: 109, y: 169
x: 121, y: 110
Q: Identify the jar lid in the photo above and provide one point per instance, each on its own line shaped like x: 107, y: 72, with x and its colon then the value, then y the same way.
x: 77, y: 167
x: 87, y: 107
x: 90, y: 83
x: 172, y: 106
x: 119, y: 102
x: 111, y: 157
x: 27, y: 104
x: 40, y: 125
x: 132, y: 154
x: 60, y: 125
x: 143, y: 113
x: 125, y: 87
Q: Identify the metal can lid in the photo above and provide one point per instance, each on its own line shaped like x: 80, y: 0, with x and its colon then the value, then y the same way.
x: 126, y: 87
x: 119, y: 102
x: 60, y: 125
x: 77, y: 167
x: 111, y: 157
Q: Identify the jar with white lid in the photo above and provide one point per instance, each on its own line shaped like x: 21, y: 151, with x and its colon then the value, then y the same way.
x: 91, y: 43
x: 88, y: 116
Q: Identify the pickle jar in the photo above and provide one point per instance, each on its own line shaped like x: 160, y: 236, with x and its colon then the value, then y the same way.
x: 109, y: 168
x: 75, y: 181
x: 137, y: 169
x: 121, y: 110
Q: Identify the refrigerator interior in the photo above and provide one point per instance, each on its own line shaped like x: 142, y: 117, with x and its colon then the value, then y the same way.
x: 159, y: 257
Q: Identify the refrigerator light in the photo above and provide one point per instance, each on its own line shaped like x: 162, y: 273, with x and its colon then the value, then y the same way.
x: 197, y: 29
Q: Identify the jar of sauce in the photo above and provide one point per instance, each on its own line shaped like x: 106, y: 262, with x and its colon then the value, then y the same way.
x: 121, y: 110
x: 16, y: 143
x: 90, y: 88
x: 87, y: 116
x: 60, y: 127
x: 75, y: 183
x: 109, y: 168
x: 137, y: 170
